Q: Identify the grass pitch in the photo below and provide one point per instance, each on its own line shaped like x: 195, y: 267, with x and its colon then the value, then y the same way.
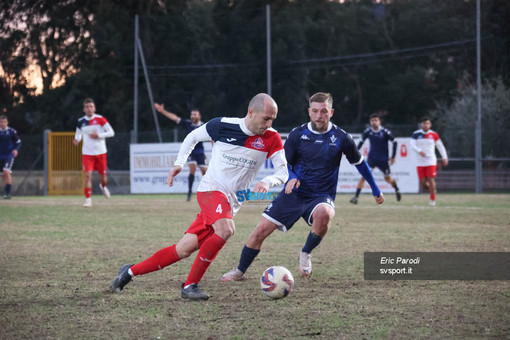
x: 58, y: 260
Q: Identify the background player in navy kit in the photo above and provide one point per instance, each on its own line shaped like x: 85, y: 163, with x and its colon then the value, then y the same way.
x: 313, y: 151
x: 379, y: 137
x: 197, y: 156
x: 242, y: 146
x: 9, y: 146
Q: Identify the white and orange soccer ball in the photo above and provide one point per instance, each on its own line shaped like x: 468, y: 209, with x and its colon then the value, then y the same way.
x: 277, y: 282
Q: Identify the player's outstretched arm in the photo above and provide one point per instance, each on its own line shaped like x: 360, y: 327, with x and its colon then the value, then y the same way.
x: 172, y: 173
x: 170, y: 115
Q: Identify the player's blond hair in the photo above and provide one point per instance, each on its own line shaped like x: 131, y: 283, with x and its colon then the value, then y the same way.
x: 321, y: 97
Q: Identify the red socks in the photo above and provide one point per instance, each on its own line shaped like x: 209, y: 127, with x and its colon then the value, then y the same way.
x: 207, y: 253
x: 166, y: 256
x: 433, y: 197
x: 87, y: 192
x: 162, y: 258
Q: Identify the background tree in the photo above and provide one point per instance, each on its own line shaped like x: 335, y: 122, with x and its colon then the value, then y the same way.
x: 401, y: 56
x: 457, y: 120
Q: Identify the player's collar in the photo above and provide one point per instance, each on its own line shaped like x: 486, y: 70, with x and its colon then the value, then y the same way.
x: 244, y: 128
x: 309, y: 126
x: 380, y: 128
x: 90, y: 118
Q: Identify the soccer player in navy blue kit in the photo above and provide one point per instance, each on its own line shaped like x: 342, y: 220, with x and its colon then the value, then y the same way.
x: 9, y: 147
x: 197, y: 156
x: 313, y: 151
x: 378, y: 154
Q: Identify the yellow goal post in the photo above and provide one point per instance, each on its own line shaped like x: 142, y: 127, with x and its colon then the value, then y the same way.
x: 65, y: 171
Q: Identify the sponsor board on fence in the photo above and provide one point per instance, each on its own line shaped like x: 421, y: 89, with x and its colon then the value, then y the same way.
x: 150, y: 163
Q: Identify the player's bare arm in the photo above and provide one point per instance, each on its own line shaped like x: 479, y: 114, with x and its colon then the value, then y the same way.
x: 172, y: 173
x: 15, y: 153
x: 445, y: 161
x: 293, y: 183
x: 161, y: 109
x: 76, y: 142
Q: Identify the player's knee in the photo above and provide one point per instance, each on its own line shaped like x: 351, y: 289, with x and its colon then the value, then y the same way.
x: 184, y: 252
x: 323, y: 215
x: 225, y: 228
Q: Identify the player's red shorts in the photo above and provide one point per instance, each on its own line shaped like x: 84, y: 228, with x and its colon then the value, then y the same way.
x: 95, y: 162
x: 214, y: 206
x: 426, y: 171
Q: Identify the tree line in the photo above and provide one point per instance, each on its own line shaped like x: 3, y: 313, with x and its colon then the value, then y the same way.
x: 403, y: 58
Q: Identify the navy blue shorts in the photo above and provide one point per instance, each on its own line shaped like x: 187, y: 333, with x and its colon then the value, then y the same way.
x: 7, y: 162
x: 198, y: 158
x: 285, y: 209
x: 382, y: 165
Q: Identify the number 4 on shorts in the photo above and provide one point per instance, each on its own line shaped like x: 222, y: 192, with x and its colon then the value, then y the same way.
x: 218, y: 209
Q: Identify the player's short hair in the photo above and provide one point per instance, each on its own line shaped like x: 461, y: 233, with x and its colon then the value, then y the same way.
x: 88, y: 100
x: 424, y: 119
x: 258, y: 103
x: 3, y: 117
x: 321, y: 97
x: 375, y: 115
x: 195, y: 109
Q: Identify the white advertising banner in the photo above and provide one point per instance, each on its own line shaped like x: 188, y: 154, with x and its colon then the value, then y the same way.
x: 403, y: 170
x: 150, y: 164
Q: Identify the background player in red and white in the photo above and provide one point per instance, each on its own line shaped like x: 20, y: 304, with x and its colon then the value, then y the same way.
x: 241, y: 147
x: 423, y: 142
x: 197, y: 156
x: 93, y: 128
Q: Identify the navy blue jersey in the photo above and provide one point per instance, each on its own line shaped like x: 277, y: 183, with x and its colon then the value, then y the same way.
x: 189, y: 126
x: 378, y: 143
x: 314, y: 159
x: 9, y: 140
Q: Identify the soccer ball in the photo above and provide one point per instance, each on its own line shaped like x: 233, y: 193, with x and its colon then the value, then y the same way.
x: 276, y: 282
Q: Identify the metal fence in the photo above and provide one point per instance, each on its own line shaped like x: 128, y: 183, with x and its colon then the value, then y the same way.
x: 458, y: 176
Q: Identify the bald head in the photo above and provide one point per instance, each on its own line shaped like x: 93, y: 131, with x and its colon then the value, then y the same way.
x: 262, y: 111
x: 262, y: 102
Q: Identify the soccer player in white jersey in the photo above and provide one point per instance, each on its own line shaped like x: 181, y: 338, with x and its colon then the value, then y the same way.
x: 93, y: 129
x: 423, y: 142
x: 241, y: 147
x: 313, y: 151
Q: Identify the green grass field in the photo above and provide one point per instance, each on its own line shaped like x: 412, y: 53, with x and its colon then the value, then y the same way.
x: 58, y: 260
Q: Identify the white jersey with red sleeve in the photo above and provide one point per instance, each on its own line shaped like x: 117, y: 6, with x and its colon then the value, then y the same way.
x: 427, y: 142
x: 87, y: 125
x: 237, y: 156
